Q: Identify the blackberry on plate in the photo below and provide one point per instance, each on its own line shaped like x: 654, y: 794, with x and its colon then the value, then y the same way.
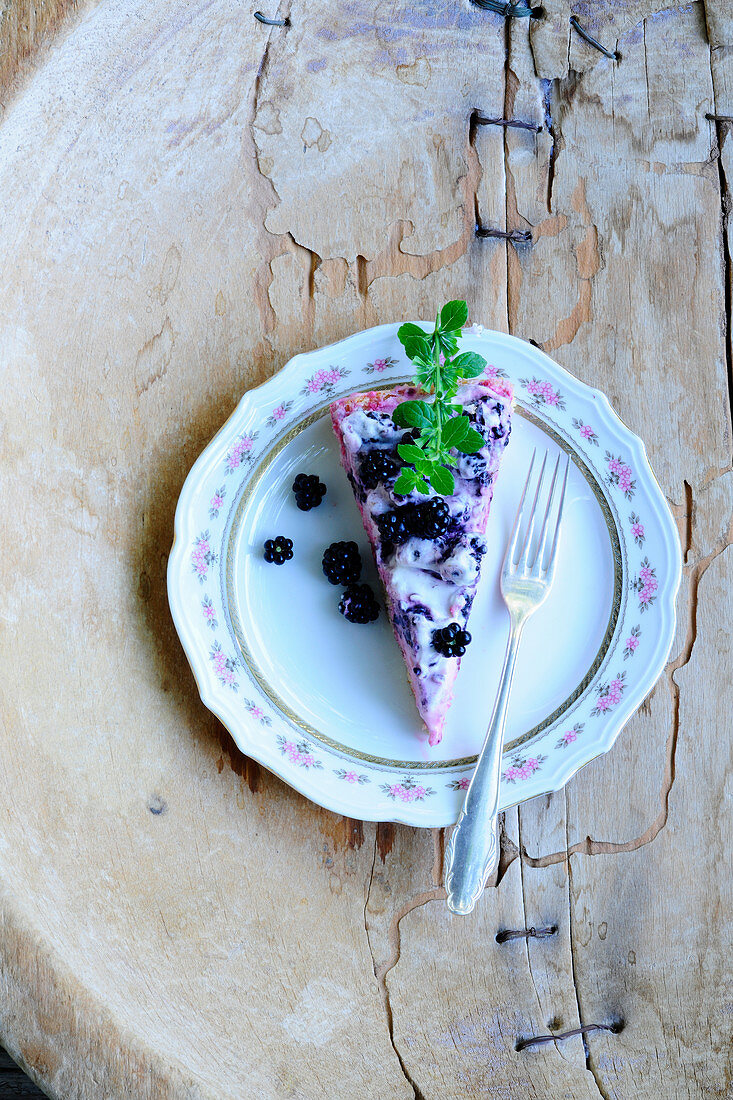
x: 431, y: 519
x: 278, y: 550
x: 309, y: 491
x: 451, y: 640
x: 358, y: 604
x: 392, y: 527
x: 377, y: 466
x: 342, y: 563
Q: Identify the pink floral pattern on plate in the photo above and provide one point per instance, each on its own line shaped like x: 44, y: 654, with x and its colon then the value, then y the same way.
x: 240, y: 451
x: 406, y: 791
x: 637, y: 529
x: 609, y: 695
x: 380, y: 365
x: 570, y: 735
x: 202, y: 556
x: 217, y: 502
x: 523, y: 767
x: 324, y: 381
x: 620, y: 474
x: 278, y: 414
x: 645, y: 584
x: 542, y: 393
x: 632, y: 642
x: 461, y: 784
x: 494, y: 372
x: 209, y: 612
x: 224, y: 667
x: 586, y: 432
x: 254, y: 710
x: 350, y: 776
x: 298, y: 752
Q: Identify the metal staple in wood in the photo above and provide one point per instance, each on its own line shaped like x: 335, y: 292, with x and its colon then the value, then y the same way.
x: 537, y: 1040
x: 588, y: 37
x: 510, y: 11
x: 482, y: 120
x: 525, y: 933
x: 516, y: 236
x: 271, y: 22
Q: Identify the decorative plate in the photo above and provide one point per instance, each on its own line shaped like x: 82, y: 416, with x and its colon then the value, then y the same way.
x: 324, y: 703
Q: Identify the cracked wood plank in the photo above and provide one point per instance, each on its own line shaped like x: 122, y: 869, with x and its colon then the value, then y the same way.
x: 557, y: 49
x: 224, y: 945
x: 325, y: 131
x: 653, y: 936
x: 646, y: 244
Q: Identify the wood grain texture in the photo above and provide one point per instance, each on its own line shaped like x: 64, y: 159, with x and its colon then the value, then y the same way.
x: 14, y: 1083
x: 189, y: 199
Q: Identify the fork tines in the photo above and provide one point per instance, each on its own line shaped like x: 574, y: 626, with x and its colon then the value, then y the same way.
x: 533, y: 557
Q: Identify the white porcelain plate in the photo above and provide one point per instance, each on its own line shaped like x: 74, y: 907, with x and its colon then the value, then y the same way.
x: 325, y: 703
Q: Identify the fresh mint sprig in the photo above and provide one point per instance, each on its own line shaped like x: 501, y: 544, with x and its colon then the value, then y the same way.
x: 442, y: 428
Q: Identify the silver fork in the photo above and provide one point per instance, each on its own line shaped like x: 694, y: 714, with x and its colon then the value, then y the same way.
x: 526, y: 576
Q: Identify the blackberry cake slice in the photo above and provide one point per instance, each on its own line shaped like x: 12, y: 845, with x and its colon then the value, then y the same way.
x: 428, y: 549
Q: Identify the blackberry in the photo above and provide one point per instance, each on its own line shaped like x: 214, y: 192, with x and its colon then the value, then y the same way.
x: 278, y: 550
x: 431, y: 519
x: 358, y: 604
x: 377, y: 466
x: 451, y: 640
x: 392, y: 527
x: 309, y: 491
x: 342, y: 563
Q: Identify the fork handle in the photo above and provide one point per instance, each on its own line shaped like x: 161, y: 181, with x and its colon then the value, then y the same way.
x: 473, y: 849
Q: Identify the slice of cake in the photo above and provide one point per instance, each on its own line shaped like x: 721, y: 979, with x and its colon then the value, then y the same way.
x: 428, y: 549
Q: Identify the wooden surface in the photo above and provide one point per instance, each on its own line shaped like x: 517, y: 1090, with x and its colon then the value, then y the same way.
x: 14, y: 1084
x: 189, y: 198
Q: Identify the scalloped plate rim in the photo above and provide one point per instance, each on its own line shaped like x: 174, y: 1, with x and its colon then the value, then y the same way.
x: 424, y: 813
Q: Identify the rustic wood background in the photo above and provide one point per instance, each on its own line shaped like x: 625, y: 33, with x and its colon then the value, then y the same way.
x: 188, y: 199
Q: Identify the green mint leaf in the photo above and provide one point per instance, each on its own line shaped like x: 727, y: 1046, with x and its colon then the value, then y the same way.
x: 471, y: 442
x: 441, y: 426
x: 413, y: 414
x: 442, y: 481
x: 409, y: 453
x: 417, y: 347
x: 406, y: 482
x: 450, y: 381
x: 453, y: 316
x: 469, y: 364
x: 447, y: 343
x: 454, y: 430
x: 406, y: 331
x: 425, y: 374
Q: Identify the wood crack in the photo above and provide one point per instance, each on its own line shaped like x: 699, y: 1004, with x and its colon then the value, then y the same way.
x: 725, y: 205
x: 381, y: 970
x: 588, y: 1060
x: 275, y: 245
x: 526, y: 923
